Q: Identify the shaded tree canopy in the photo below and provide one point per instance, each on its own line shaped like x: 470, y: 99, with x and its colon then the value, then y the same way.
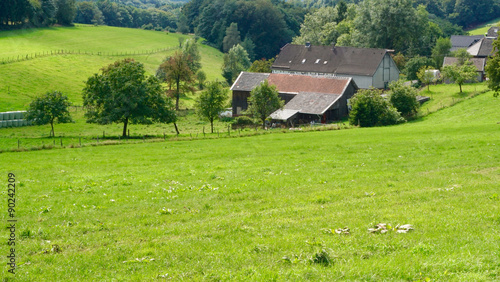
x: 235, y: 61
x: 122, y: 93
x: 211, y: 102
x: 263, y: 101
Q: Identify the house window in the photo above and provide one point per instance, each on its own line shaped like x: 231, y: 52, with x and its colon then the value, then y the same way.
x: 238, y: 110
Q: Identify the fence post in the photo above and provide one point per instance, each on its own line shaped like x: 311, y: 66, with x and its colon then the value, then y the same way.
x: 61, y: 142
x: 18, y: 144
x: 228, y: 131
x: 164, y: 137
x: 97, y: 139
x: 203, y: 132
x: 103, y: 134
x: 80, y: 141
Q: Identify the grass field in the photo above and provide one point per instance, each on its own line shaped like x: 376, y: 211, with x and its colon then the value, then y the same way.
x: 20, y: 81
x: 263, y: 207
x: 483, y: 29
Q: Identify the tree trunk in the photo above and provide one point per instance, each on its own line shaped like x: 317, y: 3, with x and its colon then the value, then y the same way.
x: 460, y: 85
x: 125, y: 123
x: 264, y: 124
x: 177, y: 96
x: 212, y: 125
x: 176, y: 129
x: 52, y: 125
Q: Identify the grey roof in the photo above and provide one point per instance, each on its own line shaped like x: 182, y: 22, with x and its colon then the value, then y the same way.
x: 283, y: 114
x: 247, y: 81
x: 478, y: 62
x: 463, y: 41
x: 493, y: 31
x: 482, y: 48
x: 329, y: 59
x: 312, y: 103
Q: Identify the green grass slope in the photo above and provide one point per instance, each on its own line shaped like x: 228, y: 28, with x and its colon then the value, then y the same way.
x: 483, y: 29
x: 262, y: 208
x: 90, y: 48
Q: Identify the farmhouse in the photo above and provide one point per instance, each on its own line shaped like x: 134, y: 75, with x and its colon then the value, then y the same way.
x: 368, y: 67
x: 482, y: 48
x: 463, y: 41
x: 307, y: 98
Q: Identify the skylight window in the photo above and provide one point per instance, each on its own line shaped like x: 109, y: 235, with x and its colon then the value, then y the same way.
x: 304, y: 60
x: 317, y: 61
x: 324, y: 63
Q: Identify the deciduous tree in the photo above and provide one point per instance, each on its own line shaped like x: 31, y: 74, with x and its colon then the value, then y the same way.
x: 232, y: 37
x: 493, y: 70
x: 369, y: 108
x: 263, y: 101
x: 211, y: 102
x: 175, y: 71
x: 426, y: 76
x: 460, y: 74
x: 235, y: 61
x: 123, y: 93
x: 404, y: 99
x: 49, y: 108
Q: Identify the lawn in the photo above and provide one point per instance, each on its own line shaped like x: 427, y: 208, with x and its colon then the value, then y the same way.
x: 264, y: 207
x: 87, y: 50
x: 483, y: 29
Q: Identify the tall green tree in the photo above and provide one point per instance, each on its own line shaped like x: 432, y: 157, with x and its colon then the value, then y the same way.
x: 441, y: 50
x: 232, y: 37
x: 460, y: 74
x: 49, y: 108
x: 123, y: 93
x: 262, y: 66
x: 414, y: 65
x: 175, y: 71
x: 426, y: 76
x: 319, y: 28
x: 263, y: 101
x: 192, y: 54
x: 211, y: 102
x: 235, y: 61
x: 66, y: 11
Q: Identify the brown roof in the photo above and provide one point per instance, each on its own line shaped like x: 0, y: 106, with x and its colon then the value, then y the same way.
x: 478, y: 62
x: 293, y: 83
x: 329, y: 59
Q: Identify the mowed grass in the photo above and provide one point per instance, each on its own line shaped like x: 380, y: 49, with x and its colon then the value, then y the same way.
x: 260, y: 208
x: 21, y: 81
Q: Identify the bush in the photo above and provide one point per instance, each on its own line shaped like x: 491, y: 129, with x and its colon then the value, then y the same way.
x: 243, y: 120
x: 404, y: 99
x: 369, y: 109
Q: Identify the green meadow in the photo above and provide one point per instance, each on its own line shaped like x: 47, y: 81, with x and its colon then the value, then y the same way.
x: 86, y: 50
x: 266, y: 207
x: 483, y: 29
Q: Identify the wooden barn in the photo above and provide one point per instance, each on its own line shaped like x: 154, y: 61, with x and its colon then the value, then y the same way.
x: 307, y: 98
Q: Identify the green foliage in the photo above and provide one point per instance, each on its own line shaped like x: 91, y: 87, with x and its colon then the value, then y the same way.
x: 201, y: 77
x: 232, y: 37
x: 319, y: 28
x: 243, y: 120
x: 414, y: 65
x: 369, y: 108
x: 404, y: 99
x: 235, y: 61
x: 263, y: 101
x: 66, y: 11
x: 426, y: 76
x: 122, y: 93
x: 460, y: 74
x: 211, y: 102
x: 462, y: 56
x: 262, y: 66
x: 49, y: 108
x: 249, y: 46
x: 441, y: 50
x: 493, y: 70
x: 192, y: 54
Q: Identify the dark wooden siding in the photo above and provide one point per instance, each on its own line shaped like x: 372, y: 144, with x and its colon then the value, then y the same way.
x: 240, y: 101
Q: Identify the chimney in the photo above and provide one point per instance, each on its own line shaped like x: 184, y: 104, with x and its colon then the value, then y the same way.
x: 308, y: 44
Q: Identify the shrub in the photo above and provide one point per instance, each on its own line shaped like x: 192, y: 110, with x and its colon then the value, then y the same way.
x: 243, y: 120
x: 404, y: 99
x: 369, y: 109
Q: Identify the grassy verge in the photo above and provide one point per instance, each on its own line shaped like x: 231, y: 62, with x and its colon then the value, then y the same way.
x: 263, y: 208
x: 483, y: 29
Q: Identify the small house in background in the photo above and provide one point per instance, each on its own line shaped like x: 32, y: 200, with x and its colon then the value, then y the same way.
x: 307, y: 98
x: 368, y: 67
x: 479, y: 63
x: 493, y: 32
